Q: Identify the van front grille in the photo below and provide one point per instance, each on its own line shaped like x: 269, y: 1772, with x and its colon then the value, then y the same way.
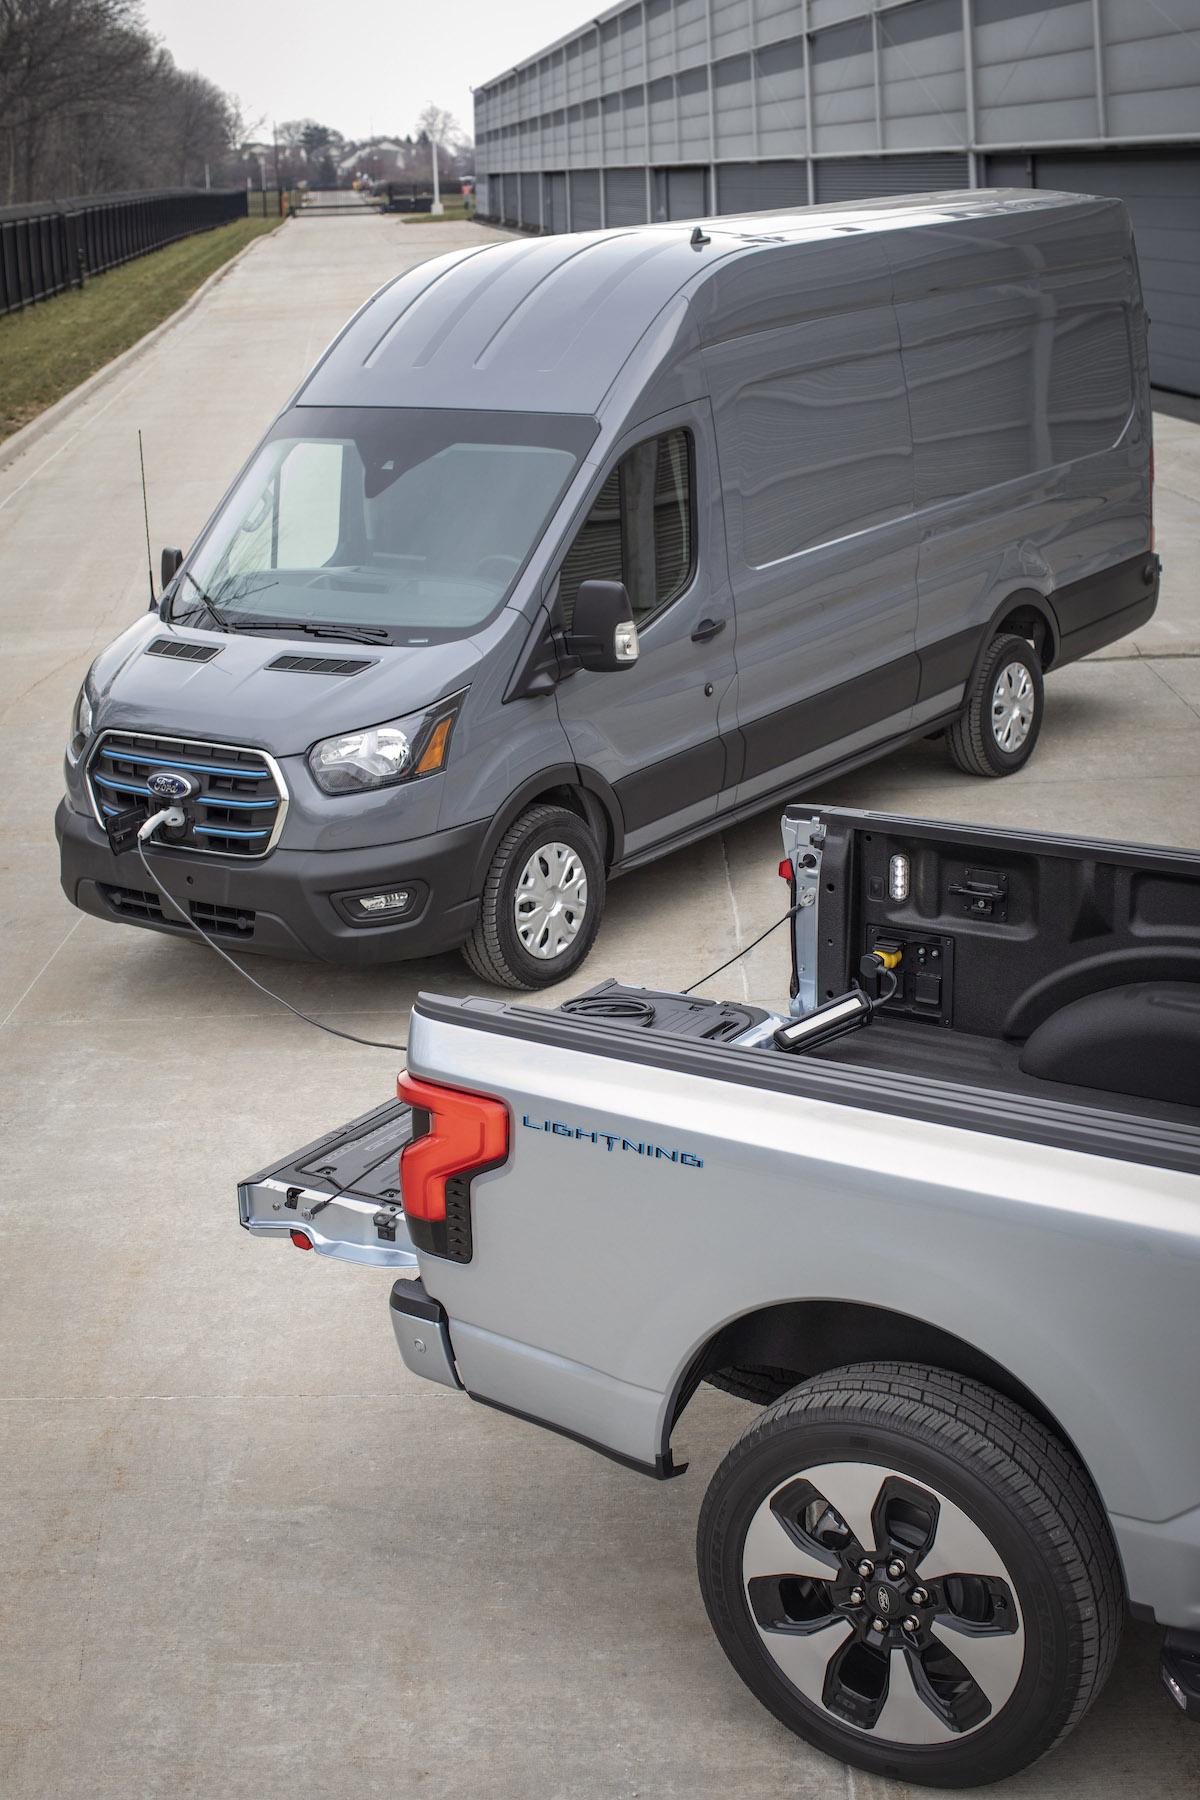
x: 237, y: 809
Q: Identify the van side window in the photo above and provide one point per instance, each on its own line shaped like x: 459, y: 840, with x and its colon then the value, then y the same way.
x: 639, y: 530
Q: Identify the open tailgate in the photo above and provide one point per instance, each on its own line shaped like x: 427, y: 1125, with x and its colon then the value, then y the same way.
x: 342, y: 1192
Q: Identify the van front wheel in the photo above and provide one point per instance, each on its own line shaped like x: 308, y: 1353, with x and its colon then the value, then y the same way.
x: 542, y: 900
x: 996, y: 732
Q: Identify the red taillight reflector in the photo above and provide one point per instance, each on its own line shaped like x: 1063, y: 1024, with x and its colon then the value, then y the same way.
x: 467, y: 1132
x: 301, y: 1241
x: 785, y: 868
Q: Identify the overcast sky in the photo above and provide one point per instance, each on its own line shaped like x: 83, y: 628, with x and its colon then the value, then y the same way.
x: 371, y: 65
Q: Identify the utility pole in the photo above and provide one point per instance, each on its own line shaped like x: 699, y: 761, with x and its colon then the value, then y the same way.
x: 437, y: 209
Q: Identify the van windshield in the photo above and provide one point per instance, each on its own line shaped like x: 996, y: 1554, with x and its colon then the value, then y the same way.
x: 411, y: 524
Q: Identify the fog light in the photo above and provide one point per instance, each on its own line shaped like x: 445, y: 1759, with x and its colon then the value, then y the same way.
x: 382, y: 906
x: 392, y: 902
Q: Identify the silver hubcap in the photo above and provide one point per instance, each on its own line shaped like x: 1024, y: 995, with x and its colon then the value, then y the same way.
x: 551, y: 901
x: 1013, y: 701
x: 883, y: 1604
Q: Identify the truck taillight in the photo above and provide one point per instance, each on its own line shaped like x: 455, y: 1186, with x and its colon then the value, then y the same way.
x: 456, y: 1136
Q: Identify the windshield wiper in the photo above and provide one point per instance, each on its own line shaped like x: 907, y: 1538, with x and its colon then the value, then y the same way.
x: 205, y: 602
x: 353, y: 634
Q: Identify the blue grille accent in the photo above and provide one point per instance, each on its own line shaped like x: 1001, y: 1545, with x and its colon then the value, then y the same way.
x: 248, y: 790
x: 166, y: 762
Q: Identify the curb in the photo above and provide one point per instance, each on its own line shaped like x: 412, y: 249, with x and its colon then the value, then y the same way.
x: 15, y: 446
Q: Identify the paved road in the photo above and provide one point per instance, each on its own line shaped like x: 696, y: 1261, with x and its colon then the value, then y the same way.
x: 243, y: 1553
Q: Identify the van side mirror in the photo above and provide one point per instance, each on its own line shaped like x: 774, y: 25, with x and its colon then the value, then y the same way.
x: 170, y: 565
x: 603, y: 634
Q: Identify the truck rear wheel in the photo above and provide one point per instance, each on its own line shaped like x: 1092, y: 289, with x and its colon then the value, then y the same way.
x: 912, y: 1573
x: 542, y: 900
x: 998, y: 728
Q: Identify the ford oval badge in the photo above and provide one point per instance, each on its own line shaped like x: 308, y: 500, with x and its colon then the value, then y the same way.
x: 165, y: 784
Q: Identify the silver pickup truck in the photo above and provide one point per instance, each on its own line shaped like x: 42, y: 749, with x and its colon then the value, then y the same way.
x: 940, y: 1219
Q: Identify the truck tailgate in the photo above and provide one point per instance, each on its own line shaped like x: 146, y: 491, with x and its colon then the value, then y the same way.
x: 341, y: 1192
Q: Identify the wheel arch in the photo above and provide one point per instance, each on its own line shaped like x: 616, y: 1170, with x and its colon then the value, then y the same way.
x: 563, y: 784
x: 814, y: 1336
x: 1030, y: 615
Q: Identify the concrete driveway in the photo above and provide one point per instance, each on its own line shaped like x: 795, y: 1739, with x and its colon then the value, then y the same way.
x: 243, y: 1553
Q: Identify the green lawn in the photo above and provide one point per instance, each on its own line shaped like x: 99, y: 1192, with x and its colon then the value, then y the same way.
x: 50, y: 348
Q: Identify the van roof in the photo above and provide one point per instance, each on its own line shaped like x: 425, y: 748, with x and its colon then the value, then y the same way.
x: 546, y: 324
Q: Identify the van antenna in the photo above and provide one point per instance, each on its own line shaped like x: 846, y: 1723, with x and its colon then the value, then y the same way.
x: 146, y: 517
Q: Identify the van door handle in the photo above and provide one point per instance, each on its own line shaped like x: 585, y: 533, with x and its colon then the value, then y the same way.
x: 706, y: 629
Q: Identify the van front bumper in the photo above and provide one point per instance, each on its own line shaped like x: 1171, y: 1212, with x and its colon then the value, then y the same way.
x: 288, y: 904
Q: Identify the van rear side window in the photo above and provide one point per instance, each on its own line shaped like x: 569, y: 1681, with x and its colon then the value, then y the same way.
x: 639, y: 530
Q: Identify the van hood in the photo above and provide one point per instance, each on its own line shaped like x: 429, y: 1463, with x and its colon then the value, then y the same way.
x: 235, y: 696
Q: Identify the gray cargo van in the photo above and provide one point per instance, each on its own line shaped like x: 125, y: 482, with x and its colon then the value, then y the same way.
x: 573, y: 549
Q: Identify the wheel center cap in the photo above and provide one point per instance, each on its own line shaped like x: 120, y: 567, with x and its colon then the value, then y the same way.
x: 884, y: 1600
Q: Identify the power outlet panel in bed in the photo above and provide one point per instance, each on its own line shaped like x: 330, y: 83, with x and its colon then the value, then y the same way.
x: 925, y: 977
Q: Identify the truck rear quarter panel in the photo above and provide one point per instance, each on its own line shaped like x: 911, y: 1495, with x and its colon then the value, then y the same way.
x: 642, y: 1208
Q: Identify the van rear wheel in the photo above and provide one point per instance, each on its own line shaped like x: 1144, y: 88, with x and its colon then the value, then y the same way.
x: 912, y: 1573
x: 542, y: 900
x: 997, y: 730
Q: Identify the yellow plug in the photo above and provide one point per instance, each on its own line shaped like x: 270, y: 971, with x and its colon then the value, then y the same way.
x: 889, y: 958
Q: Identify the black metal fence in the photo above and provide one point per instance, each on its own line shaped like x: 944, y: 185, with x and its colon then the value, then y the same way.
x: 52, y: 245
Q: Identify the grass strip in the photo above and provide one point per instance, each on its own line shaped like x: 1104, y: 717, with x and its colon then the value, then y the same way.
x: 50, y: 348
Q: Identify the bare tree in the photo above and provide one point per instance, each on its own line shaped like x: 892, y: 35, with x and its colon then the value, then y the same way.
x: 90, y: 103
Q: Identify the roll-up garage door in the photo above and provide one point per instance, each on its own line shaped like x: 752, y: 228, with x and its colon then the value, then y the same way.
x: 531, y: 211
x: 510, y: 197
x: 1162, y: 191
x: 864, y: 177
x: 761, y: 187
x: 554, y: 197
x: 625, y: 197
x: 585, y: 199
x: 687, y: 193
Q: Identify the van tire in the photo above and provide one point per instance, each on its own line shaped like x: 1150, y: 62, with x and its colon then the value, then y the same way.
x: 953, y: 1447
x: 494, y: 951
x: 973, y: 742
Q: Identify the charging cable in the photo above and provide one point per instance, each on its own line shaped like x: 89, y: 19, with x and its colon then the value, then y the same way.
x: 173, y: 815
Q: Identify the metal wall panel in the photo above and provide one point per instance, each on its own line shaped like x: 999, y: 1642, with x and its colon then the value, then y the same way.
x: 861, y: 178
x: 625, y: 197
x: 554, y: 199
x: 510, y: 199
x: 687, y: 193
x: 585, y: 199
x: 531, y: 210
x: 761, y: 187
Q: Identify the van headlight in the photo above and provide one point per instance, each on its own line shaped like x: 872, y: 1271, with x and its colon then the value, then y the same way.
x: 81, y: 725
x: 385, y: 755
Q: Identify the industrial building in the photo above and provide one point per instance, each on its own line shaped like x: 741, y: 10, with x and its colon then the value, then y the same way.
x: 674, y: 109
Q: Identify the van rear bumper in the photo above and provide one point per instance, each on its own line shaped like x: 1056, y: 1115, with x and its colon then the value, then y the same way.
x: 1103, y: 608
x: 285, y: 904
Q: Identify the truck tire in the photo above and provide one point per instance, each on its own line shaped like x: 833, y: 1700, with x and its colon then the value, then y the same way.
x: 542, y: 900
x: 997, y: 730
x: 912, y: 1573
